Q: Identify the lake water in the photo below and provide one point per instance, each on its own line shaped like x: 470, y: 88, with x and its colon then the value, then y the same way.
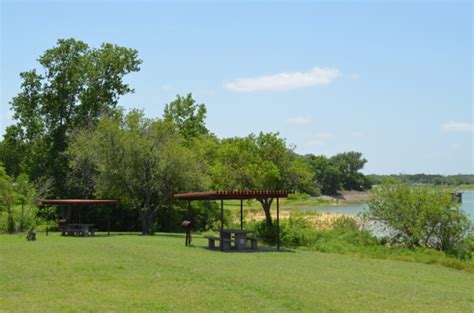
x: 354, y: 209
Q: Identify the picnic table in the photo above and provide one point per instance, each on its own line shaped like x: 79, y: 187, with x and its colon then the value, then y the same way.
x: 237, y: 236
x: 83, y: 230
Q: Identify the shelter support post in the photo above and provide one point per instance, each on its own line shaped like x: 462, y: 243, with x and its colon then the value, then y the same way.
x: 108, y: 222
x: 222, y: 225
x: 278, y: 223
x: 241, y: 214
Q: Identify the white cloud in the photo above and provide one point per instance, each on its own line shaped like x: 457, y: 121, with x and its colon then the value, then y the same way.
x: 458, y: 127
x: 285, y: 80
x: 299, y: 120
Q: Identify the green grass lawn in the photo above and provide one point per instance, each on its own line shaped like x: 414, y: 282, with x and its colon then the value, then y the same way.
x: 125, y: 273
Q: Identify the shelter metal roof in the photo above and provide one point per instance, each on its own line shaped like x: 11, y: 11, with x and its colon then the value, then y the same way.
x: 233, y: 195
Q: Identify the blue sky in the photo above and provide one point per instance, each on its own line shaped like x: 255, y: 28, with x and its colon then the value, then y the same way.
x: 393, y: 81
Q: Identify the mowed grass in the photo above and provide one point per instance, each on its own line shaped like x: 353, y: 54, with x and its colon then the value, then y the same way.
x: 125, y: 273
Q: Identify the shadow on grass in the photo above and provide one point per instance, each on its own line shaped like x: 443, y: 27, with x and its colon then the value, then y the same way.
x: 261, y: 249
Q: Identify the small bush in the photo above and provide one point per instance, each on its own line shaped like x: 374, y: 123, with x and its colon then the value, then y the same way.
x: 299, y: 196
x: 463, y: 250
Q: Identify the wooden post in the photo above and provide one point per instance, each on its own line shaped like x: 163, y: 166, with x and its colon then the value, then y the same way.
x: 108, y: 222
x: 278, y: 223
x: 46, y: 230
x: 241, y: 214
x: 190, y: 213
x: 222, y: 224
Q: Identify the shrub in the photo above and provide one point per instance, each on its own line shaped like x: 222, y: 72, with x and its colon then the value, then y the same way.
x: 463, y: 250
x: 416, y: 216
x: 206, y: 215
x: 267, y: 234
x: 297, y: 231
x: 299, y: 196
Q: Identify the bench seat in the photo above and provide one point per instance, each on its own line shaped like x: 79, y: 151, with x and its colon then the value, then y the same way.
x: 253, y: 242
x: 212, y: 241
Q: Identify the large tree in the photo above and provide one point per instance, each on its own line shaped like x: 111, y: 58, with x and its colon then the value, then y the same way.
x: 349, y: 165
x: 142, y: 162
x: 7, y: 198
x: 328, y: 176
x: 74, y: 88
x: 187, y: 116
x: 262, y: 162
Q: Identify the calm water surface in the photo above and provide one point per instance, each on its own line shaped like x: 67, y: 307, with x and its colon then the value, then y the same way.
x: 354, y: 209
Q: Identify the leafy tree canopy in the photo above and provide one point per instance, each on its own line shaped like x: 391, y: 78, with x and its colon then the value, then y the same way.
x: 258, y: 163
x: 77, y: 86
x: 140, y: 161
x: 328, y: 176
x: 187, y: 116
x: 349, y: 165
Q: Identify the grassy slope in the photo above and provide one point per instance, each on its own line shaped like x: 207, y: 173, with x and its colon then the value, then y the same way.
x: 134, y: 273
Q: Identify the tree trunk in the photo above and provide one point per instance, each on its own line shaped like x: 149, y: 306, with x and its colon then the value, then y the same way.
x: 10, y: 221
x: 22, y: 218
x: 147, y: 217
x: 266, y: 205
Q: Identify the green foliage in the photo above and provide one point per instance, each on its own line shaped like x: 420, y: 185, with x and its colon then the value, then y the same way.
x: 205, y: 214
x: 298, y: 196
x: 26, y: 196
x: 7, y: 199
x: 259, y: 162
x: 349, y: 165
x: 297, y: 231
x: 328, y: 177
x: 140, y: 161
x: 418, y: 216
x: 187, y: 116
x: 464, y: 249
x: 18, y: 202
x: 77, y: 86
x: 341, y: 171
x: 263, y: 162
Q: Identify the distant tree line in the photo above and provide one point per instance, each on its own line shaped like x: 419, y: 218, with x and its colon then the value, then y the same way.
x: 70, y: 132
x: 451, y: 180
